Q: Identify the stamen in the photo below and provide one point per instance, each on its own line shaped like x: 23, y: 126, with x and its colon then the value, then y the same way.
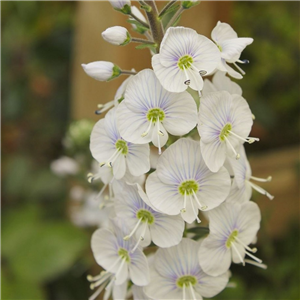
x: 96, y: 294
x: 261, y: 190
x: 101, y: 191
x: 243, y: 61
x: 183, y: 292
x: 158, y: 129
x: 253, y: 250
x: 104, y: 107
x: 254, y: 257
x: 158, y: 141
x: 114, y: 264
x: 196, y: 215
x: 110, y: 162
x: 127, y: 237
x: 188, y: 81
x: 253, y: 117
x: 254, y: 263
x: 240, y: 69
x: 249, y: 140
x: 238, y: 253
x: 107, y: 162
x: 201, y: 72
x: 141, y: 237
x: 100, y: 281
x: 112, y: 281
x: 117, y: 273
x: 91, y: 278
x: 148, y: 129
x: 261, y: 179
x: 202, y: 207
x: 183, y: 210
x: 237, y: 155
x: 192, y: 291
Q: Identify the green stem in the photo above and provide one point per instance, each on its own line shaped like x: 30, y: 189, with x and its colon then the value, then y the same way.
x: 139, y: 20
x: 143, y: 41
x: 155, y: 24
x: 175, y: 17
x: 166, y: 8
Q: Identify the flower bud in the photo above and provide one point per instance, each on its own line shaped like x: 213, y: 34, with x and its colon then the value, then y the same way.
x: 189, y: 4
x: 117, y: 35
x: 121, y: 5
x: 102, y: 70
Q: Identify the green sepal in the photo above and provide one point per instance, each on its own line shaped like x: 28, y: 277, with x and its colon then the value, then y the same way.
x: 126, y: 10
x: 138, y: 24
x: 116, y: 72
x: 189, y: 4
x: 147, y: 8
x: 127, y: 41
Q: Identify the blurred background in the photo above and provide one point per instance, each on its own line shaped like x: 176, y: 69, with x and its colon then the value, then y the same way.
x: 48, y: 106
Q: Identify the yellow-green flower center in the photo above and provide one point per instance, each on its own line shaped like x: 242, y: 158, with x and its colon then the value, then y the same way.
x: 187, y: 187
x: 145, y: 215
x: 184, y: 62
x: 186, y: 280
x: 121, y: 145
x: 124, y: 254
x: 225, y: 132
x: 155, y: 113
x: 231, y: 238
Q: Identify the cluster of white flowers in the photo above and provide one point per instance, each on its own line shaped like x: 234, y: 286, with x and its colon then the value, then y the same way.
x: 163, y: 157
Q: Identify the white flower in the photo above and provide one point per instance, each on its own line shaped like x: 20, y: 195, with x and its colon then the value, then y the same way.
x: 233, y: 226
x: 149, y: 112
x: 117, y: 35
x: 121, y: 5
x: 146, y: 223
x: 183, y: 184
x: 64, y: 166
x: 176, y: 274
x: 114, y: 254
x: 119, y: 96
x: 101, y: 70
x: 108, y: 148
x: 184, y: 57
x: 220, y: 82
x: 230, y: 47
x: 225, y: 122
x: 242, y: 186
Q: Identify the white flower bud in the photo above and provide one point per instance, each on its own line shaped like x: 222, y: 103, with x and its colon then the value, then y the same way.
x: 101, y: 70
x: 121, y: 5
x: 117, y: 35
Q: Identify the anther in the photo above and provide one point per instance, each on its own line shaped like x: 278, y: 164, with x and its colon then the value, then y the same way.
x: 188, y: 81
x: 202, y: 72
x: 148, y: 129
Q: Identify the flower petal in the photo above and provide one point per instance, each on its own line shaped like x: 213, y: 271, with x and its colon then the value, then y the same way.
x: 214, y: 256
x: 163, y: 197
x: 167, y: 230
x: 222, y: 32
x: 137, y: 159
x: 232, y: 48
x: 138, y: 268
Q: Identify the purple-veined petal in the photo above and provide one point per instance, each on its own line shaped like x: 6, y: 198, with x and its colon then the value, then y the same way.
x: 222, y: 32
x: 214, y: 256
x: 232, y: 48
x: 165, y: 198
x: 171, y: 78
x: 167, y: 230
x: 138, y: 268
x: 138, y: 159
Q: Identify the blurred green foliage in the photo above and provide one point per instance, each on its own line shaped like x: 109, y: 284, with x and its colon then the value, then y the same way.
x: 43, y: 256
x: 271, y: 85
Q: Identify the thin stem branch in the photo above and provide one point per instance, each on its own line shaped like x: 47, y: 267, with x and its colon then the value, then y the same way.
x: 166, y: 8
x: 143, y: 41
x: 127, y: 72
x: 155, y: 24
x: 139, y: 20
x: 175, y: 17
